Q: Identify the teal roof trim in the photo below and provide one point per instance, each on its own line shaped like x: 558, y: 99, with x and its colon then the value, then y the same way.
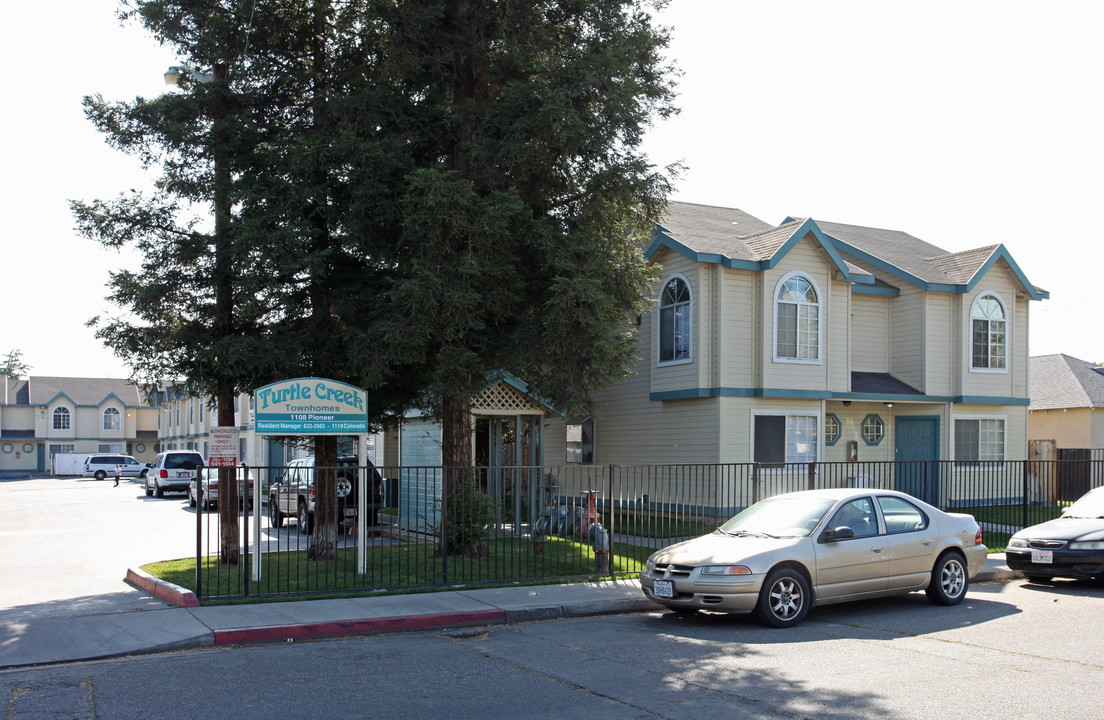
x: 663, y: 239
x: 1001, y: 253
x: 714, y: 392
x: 875, y: 290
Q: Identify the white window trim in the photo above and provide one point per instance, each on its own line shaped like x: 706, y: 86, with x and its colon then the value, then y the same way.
x: 72, y: 419
x: 103, y: 420
x: 822, y: 304
x: 787, y: 467
x: 1007, y: 335
x: 989, y: 463
x: 658, y: 326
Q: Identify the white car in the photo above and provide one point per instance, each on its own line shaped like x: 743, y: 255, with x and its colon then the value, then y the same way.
x: 785, y: 554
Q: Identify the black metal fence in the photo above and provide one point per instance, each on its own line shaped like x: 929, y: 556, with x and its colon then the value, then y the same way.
x: 438, y: 527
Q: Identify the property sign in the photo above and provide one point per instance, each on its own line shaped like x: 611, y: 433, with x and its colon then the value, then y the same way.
x: 310, y: 406
x: 224, y: 447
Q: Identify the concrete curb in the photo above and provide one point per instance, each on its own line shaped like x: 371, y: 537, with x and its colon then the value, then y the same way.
x: 167, y: 591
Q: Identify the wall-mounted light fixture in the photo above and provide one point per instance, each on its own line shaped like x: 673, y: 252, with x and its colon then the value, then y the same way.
x: 888, y: 404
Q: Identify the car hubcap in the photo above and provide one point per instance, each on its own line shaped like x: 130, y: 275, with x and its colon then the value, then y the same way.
x: 785, y: 598
x: 953, y: 577
x: 344, y: 487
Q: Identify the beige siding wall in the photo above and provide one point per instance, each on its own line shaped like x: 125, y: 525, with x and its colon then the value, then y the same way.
x: 995, y: 383
x: 736, y: 420
x: 806, y: 258
x: 906, y: 339
x: 940, y: 341
x: 870, y: 333
x: 681, y: 376
x: 740, y: 340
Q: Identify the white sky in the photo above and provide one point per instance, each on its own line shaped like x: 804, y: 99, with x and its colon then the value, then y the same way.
x: 962, y: 123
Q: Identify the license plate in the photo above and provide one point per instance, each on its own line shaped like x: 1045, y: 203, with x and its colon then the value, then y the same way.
x: 1042, y: 557
x: 350, y: 512
x: 663, y: 588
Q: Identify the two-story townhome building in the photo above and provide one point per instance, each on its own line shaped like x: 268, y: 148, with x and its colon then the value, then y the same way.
x: 816, y: 341
x: 41, y: 417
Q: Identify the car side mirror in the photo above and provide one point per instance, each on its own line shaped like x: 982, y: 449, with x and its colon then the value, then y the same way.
x: 841, y: 533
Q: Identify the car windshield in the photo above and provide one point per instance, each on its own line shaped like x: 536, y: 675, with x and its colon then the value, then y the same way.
x: 779, y: 517
x: 1089, y: 506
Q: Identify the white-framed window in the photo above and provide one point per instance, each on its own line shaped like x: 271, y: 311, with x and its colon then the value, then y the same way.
x: 797, y: 314
x: 978, y: 440
x: 191, y: 412
x: 580, y: 441
x: 988, y: 334
x: 676, y: 325
x: 780, y: 439
x: 62, y: 448
x: 115, y: 448
x: 63, y: 419
x: 112, y: 419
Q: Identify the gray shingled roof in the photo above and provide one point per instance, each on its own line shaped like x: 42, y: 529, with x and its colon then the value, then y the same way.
x: 902, y: 250
x: 83, y: 391
x: 1061, y: 381
x: 713, y: 230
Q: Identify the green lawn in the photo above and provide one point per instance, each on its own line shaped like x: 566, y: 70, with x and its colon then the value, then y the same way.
x: 396, y: 569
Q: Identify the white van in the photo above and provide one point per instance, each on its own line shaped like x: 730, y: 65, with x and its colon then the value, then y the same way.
x: 102, y: 466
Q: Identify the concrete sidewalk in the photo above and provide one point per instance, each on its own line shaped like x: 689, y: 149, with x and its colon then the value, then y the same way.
x: 84, y: 637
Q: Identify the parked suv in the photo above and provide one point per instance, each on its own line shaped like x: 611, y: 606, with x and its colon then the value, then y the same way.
x: 100, y: 466
x: 292, y: 495
x: 172, y: 472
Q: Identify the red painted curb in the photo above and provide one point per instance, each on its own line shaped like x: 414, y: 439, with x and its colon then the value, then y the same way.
x: 273, y: 633
x: 167, y: 591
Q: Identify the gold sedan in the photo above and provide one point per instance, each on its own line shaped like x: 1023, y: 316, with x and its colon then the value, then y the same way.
x: 781, y: 556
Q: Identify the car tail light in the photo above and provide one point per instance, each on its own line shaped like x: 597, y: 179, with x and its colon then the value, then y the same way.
x: 977, y: 538
x: 164, y: 473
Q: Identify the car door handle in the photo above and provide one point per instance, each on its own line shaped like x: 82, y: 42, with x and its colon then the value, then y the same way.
x: 929, y: 541
x: 878, y: 549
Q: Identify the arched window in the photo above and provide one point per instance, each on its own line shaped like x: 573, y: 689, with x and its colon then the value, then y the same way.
x: 62, y: 419
x: 675, y: 323
x: 797, y: 320
x: 989, y: 334
x: 112, y: 420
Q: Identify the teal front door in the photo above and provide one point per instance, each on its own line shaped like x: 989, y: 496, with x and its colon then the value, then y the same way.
x: 917, y: 454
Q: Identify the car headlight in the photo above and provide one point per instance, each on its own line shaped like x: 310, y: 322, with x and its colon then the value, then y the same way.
x: 1096, y: 545
x: 1017, y: 542
x: 726, y: 570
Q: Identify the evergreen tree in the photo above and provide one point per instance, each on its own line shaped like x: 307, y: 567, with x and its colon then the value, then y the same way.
x: 413, y: 194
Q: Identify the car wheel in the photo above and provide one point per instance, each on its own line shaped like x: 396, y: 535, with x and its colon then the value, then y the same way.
x: 275, y: 517
x: 149, y: 490
x: 157, y: 491
x: 1039, y: 578
x: 949, y: 580
x: 304, y: 519
x: 784, y: 600
x: 191, y: 498
x: 100, y: 474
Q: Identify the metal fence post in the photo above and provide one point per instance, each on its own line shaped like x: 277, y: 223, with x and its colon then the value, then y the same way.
x: 199, y: 532
x: 612, y: 524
